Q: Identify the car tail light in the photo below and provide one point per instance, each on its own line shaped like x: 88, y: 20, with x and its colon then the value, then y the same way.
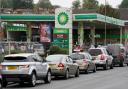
x: 23, y: 66
x: 61, y: 65
x: 102, y: 57
x: 85, y: 61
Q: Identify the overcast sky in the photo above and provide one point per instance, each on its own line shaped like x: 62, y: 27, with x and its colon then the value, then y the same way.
x: 68, y: 3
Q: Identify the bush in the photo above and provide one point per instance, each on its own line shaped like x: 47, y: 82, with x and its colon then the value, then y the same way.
x: 58, y: 50
x: 17, y: 51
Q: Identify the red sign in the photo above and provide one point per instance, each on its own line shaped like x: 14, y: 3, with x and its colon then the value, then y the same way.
x: 63, y: 36
x: 45, y: 33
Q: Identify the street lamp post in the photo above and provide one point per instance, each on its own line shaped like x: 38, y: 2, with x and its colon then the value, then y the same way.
x: 105, y: 25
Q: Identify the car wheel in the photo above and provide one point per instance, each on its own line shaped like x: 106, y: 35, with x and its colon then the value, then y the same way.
x: 77, y: 73
x: 5, y: 83
x: 0, y: 84
x: 94, y: 70
x: 111, y: 66
x: 48, y: 77
x: 32, y: 80
x: 127, y: 64
x: 121, y: 64
x: 105, y: 67
x: 86, y: 71
x: 66, y: 76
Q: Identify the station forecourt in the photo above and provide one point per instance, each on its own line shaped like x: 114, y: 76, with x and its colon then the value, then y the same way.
x: 87, y: 28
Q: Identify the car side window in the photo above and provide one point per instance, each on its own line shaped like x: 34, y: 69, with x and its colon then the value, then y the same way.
x: 89, y: 57
x: 70, y: 60
x: 30, y: 59
x: 35, y: 58
x: 105, y: 52
x: 67, y: 60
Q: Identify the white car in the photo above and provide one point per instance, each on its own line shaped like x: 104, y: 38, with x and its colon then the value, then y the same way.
x: 101, y: 57
x: 25, y: 67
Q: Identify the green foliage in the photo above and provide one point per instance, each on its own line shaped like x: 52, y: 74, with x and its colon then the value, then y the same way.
x: 109, y: 11
x: 17, y: 51
x: 76, y: 4
x: 17, y: 4
x: 90, y: 4
x: 124, y: 4
x: 58, y: 50
x: 44, y: 4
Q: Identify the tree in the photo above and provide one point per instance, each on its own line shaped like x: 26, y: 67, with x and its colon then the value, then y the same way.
x: 90, y: 4
x: 124, y: 4
x: 76, y: 4
x: 17, y: 4
x: 44, y: 4
x: 110, y: 11
x: 6, y: 3
x: 22, y: 4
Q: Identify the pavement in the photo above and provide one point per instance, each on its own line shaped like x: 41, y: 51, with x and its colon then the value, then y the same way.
x: 116, y: 78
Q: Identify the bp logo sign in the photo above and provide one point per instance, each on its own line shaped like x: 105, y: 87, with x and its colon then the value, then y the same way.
x: 63, y: 18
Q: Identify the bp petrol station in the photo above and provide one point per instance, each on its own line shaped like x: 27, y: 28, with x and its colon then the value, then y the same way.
x: 67, y: 28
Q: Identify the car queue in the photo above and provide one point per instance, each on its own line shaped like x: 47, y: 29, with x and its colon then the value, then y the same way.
x: 29, y: 67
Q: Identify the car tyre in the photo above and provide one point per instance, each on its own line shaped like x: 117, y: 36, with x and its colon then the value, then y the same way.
x: 105, y: 67
x: 77, y: 73
x: 4, y: 83
x: 94, y: 70
x: 0, y: 84
x: 48, y: 77
x: 127, y: 64
x: 121, y: 64
x: 32, y: 80
x: 86, y: 71
x: 66, y: 76
x: 111, y: 66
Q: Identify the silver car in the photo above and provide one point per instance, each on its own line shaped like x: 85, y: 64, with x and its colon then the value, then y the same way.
x: 101, y: 57
x: 84, y: 60
x: 25, y: 67
x: 62, y: 65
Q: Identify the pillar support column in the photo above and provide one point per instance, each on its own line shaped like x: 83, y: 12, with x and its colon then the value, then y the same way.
x: 93, y: 35
x: 80, y: 33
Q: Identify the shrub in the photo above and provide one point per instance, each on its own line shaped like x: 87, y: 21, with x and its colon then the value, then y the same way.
x: 58, y: 50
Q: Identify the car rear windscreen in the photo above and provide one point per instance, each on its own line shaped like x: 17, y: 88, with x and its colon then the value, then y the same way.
x: 54, y: 58
x: 95, y: 52
x: 75, y: 56
x: 15, y: 59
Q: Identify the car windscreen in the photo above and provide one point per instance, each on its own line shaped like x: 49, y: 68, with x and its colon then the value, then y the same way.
x: 38, y: 47
x: 95, y: 52
x: 54, y: 58
x: 75, y: 56
x: 15, y: 59
x: 82, y: 56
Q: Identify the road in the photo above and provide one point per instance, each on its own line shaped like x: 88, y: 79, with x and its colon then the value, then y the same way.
x: 116, y: 78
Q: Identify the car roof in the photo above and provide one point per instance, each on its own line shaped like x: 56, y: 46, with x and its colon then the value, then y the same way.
x: 20, y: 54
x: 98, y: 48
x: 58, y: 55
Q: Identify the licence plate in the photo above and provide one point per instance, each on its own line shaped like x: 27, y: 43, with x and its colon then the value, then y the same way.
x: 12, y: 67
x: 52, y: 65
